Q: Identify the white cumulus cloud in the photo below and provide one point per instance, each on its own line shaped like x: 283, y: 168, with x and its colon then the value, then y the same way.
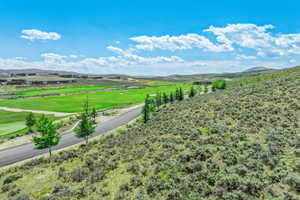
x: 181, y: 42
x: 258, y: 38
x: 228, y: 38
x: 245, y: 57
x: 34, y: 34
x: 131, y: 58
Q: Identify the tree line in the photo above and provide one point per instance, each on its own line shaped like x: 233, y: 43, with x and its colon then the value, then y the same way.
x: 151, y: 104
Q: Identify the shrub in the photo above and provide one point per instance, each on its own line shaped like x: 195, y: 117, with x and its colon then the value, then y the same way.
x: 12, y: 178
x: 79, y: 174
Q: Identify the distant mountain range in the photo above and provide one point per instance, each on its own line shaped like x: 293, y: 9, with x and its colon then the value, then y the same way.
x: 15, y: 71
x: 175, y: 76
x: 258, y: 69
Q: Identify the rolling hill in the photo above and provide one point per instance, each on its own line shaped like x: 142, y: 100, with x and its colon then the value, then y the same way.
x: 237, y: 144
x: 258, y: 69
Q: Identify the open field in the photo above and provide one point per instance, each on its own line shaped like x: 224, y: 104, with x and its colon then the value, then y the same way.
x: 62, y: 90
x: 12, y: 123
x: 159, y: 83
x: 99, y: 100
x: 83, y: 88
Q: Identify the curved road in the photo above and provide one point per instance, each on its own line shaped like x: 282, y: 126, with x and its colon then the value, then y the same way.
x: 19, y: 153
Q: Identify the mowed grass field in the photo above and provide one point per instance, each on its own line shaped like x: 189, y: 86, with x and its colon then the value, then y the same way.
x: 11, y: 122
x: 35, y: 92
x: 160, y: 83
x: 99, y: 100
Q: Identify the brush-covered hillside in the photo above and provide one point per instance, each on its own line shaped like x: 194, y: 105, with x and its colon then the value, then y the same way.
x: 239, y: 144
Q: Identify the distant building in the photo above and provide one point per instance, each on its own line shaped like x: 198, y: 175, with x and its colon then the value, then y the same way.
x: 115, y: 77
x: 50, y: 82
x: 202, y: 83
x: 35, y: 82
x: 3, y: 81
x: 21, y: 74
x: 96, y: 77
x: 53, y: 74
x: 67, y: 76
x: 16, y: 82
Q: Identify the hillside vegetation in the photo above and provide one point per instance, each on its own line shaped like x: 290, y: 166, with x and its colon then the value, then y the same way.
x: 239, y: 144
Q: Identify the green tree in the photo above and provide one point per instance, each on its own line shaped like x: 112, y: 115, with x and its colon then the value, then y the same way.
x: 205, y: 89
x: 177, y: 94
x: 30, y: 121
x: 146, y: 110
x: 219, y: 84
x: 165, y: 98
x: 86, y: 108
x: 94, y: 114
x: 181, y: 94
x: 192, y: 92
x: 86, y: 125
x: 172, y: 97
x: 48, y: 134
x: 158, y: 99
x: 213, y: 88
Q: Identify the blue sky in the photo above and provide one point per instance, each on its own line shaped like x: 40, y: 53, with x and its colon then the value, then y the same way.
x: 149, y: 37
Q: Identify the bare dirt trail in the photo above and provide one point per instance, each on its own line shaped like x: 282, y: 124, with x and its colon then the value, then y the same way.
x: 57, y: 114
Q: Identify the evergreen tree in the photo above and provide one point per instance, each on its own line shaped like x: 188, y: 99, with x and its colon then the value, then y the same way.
x: 219, y: 84
x: 86, y: 125
x: 86, y: 108
x: 213, y: 88
x: 205, y: 89
x: 48, y: 135
x: 165, y: 98
x: 151, y: 103
x: 94, y: 114
x: 192, y: 92
x: 30, y: 121
x: 177, y: 94
x: 146, y: 110
x: 223, y: 85
x: 158, y: 99
x: 171, y: 97
x: 181, y: 94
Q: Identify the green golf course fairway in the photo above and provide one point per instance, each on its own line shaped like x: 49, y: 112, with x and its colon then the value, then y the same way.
x: 35, y: 92
x: 11, y: 122
x: 99, y: 100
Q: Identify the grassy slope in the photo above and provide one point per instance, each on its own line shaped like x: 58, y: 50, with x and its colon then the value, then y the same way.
x: 34, y: 92
x: 73, y: 103
x: 195, y: 77
x: 238, y: 144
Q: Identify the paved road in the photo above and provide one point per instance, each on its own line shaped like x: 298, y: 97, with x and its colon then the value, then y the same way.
x: 19, y: 153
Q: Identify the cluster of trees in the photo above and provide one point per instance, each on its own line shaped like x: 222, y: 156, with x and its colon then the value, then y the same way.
x: 218, y: 84
x: 47, y: 135
x: 152, y: 103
